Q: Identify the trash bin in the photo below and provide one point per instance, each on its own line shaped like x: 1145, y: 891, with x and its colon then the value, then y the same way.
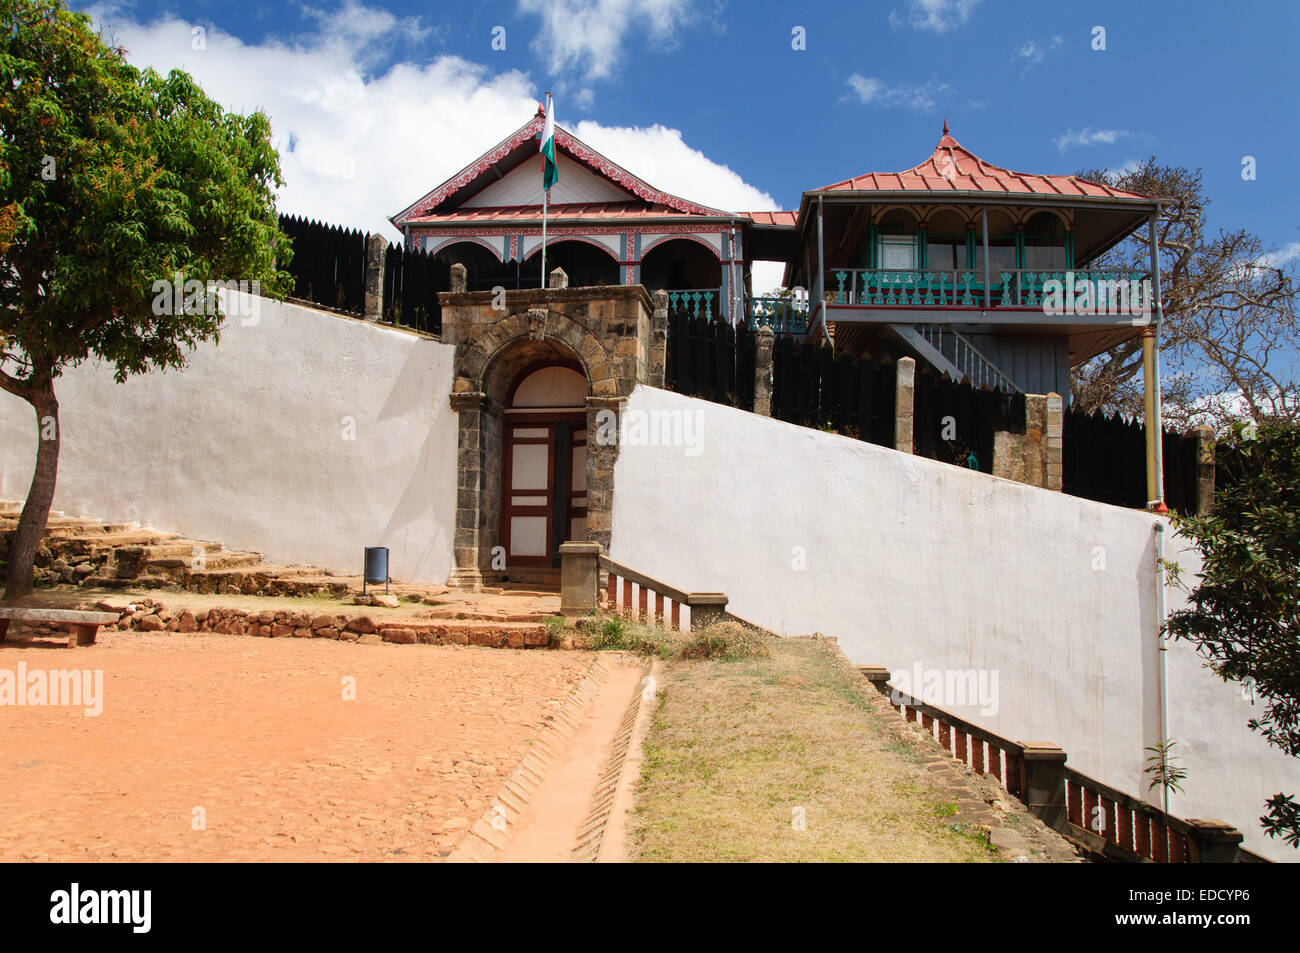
x: 375, y: 569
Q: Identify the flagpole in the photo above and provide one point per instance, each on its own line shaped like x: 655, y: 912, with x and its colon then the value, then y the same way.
x: 545, y: 194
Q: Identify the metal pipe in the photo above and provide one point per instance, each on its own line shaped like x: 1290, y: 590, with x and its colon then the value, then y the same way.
x: 1155, y: 431
x: 1162, y: 645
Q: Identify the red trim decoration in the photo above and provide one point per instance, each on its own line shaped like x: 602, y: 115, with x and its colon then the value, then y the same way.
x: 499, y: 232
x: 575, y: 148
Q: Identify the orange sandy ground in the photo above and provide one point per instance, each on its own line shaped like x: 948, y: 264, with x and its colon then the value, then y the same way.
x: 257, y: 734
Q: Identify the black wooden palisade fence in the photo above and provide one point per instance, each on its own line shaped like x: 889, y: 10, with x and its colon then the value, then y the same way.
x: 329, y: 269
x: 710, y: 359
x: 954, y: 422
x: 850, y: 397
x: 1105, y: 460
x: 329, y: 263
x: 412, y: 280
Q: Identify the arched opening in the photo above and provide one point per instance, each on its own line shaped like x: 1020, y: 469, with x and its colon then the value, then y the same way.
x: 1045, y: 242
x: 681, y: 264
x: 1002, y: 246
x: 587, y: 265
x: 946, y: 241
x: 483, y: 270
x: 544, y: 463
x: 896, y: 237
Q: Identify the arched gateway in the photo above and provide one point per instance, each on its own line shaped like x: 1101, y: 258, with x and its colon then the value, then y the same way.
x: 535, y: 370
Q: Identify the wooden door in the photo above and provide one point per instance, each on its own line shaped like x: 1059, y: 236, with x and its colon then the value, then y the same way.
x: 544, y: 486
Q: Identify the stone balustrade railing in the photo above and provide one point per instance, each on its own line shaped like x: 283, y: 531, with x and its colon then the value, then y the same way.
x: 628, y: 592
x: 1102, y: 819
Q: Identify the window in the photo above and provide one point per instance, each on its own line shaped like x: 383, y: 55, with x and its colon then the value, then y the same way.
x: 1002, y: 255
x: 896, y: 252
x: 1045, y: 243
x: 944, y: 253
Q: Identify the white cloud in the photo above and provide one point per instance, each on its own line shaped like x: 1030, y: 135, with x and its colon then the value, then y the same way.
x: 874, y: 92
x: 356, y: 147
x: 1091, y: 137
x: 1282, y: 257
x: 661, y: 157
x: 1129, y: 166
x: 356, y: 21
x: 938, y: 16
x: 587, y: 35
x: 1033, y: 52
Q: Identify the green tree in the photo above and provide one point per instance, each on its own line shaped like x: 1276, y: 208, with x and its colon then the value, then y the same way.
x: 1244, y: 615
x: 114, y: 183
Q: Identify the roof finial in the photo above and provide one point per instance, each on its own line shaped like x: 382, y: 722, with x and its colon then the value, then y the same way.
x: 945, y: 125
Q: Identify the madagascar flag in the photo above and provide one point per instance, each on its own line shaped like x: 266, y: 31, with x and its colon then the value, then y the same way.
x: 551, y: 172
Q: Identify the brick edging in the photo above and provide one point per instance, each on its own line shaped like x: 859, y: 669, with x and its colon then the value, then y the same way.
x: 591, y: 835
x: 150, y: 615
x: 491, y: 833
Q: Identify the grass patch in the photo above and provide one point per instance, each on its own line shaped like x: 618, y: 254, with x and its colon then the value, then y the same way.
x: 725, y: 641
x: 780, y: 757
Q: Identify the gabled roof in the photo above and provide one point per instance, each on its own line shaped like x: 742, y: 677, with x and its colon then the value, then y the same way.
x: 521, y: 145
x: 953, y: 168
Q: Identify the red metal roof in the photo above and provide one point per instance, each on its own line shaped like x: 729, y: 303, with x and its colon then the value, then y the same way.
x: 953, y: 168
x: 772, y: 218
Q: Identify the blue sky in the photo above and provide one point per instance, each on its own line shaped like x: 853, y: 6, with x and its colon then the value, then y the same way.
x: 710, y: 100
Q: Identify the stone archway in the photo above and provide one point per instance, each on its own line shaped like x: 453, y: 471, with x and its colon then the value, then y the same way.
x: 613, y: 336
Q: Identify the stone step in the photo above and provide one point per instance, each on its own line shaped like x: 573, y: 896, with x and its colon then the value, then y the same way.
x: 84, y: 527
x: 184, y: 557
x: 179, y: 546
x: 542, y: 576
x: 62, y: 526
x: 490, y: 634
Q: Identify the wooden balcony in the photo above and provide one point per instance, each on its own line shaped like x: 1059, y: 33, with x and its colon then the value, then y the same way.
x: 1019, y: 296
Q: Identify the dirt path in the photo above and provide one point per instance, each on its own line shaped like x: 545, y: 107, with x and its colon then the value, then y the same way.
x: 548, y: 828
x: 221, y: 748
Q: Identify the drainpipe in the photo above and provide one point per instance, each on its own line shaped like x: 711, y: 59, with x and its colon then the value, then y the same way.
x: 1162, y: 645
x: 1151, y: 381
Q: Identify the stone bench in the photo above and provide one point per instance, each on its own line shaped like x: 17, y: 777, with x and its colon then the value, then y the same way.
x: 82, y: 625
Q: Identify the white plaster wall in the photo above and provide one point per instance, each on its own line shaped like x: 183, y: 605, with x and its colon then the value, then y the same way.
x: 908, y: 561
x: 246, y: 445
